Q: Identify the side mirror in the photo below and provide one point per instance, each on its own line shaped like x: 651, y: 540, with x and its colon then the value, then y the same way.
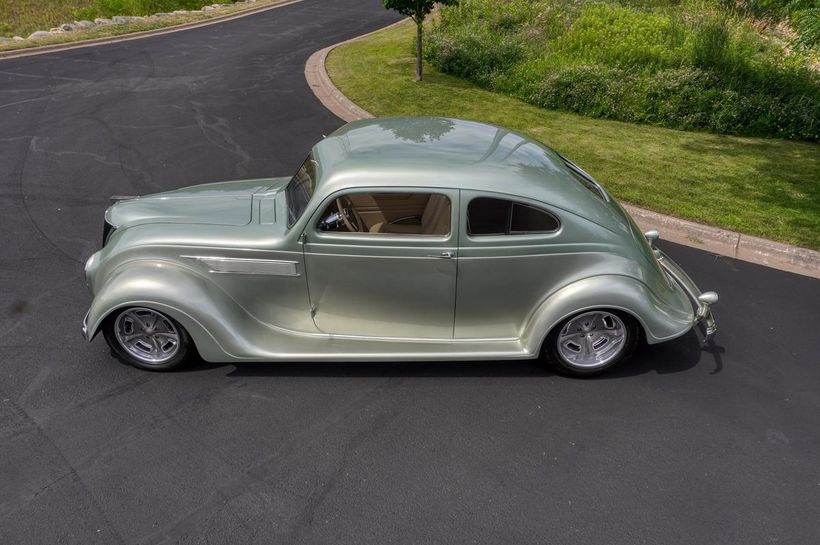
x: 708, y: 298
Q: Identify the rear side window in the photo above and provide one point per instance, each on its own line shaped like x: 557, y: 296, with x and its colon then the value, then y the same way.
x: 488, y: 216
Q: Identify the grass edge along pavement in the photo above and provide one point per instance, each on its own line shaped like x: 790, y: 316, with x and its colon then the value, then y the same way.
x: 763, y: 187
x: 137, y: 27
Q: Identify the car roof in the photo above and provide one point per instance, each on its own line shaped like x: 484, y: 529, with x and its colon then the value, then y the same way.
x: 452, y: 153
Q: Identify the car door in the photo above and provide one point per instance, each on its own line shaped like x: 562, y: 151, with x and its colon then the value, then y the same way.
x: 510, y: 257
x: 389, y: 285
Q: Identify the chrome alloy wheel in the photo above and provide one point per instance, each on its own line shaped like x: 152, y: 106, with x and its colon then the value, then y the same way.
x: 592, y: 339
x: 147, y: 335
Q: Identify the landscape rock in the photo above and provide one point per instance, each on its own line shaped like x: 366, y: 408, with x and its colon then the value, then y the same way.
x: 117, y: 20
x: 122, y: 19
x: 39, y: 34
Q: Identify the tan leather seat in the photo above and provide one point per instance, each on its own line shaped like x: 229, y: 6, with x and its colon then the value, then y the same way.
x: 434, y: 221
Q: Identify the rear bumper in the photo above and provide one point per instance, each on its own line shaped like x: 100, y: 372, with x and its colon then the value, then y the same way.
x: 703, y: 311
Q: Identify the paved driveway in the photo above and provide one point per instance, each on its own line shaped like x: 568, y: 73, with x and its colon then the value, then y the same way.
x: 679, y: 446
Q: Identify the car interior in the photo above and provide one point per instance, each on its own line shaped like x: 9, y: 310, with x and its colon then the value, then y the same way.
x: 388, y: 213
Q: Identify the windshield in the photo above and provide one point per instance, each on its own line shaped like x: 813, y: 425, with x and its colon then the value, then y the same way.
x: 300, y: 189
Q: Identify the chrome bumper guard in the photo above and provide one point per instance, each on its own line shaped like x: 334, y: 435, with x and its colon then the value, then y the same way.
x: 702, y: 300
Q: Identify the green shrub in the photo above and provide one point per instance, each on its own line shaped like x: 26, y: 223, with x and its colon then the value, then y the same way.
x: 710, y: 44
x: 620, y: 36
x: 692, y: 67
x: 474, y: 52
x: 807, y: 24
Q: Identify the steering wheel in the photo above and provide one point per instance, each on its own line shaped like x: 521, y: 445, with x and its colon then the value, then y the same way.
x: 350, y: 217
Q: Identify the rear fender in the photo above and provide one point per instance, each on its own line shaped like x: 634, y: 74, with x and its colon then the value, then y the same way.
x: 661, y: 320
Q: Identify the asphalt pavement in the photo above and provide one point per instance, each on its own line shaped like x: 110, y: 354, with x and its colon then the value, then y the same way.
x: 679, y: 445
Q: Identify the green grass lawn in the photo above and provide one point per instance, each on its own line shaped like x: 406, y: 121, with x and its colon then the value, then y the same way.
x: 764, y: 187
x: 22, y: 17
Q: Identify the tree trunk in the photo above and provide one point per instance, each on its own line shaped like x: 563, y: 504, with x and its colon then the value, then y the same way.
x: 419, y: 33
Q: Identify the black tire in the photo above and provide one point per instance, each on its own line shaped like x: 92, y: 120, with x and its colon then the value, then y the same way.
x: 551, y: 354
x: 183, y: 352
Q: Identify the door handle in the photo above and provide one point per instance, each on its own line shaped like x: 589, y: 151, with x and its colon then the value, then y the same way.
x: 443, y: 255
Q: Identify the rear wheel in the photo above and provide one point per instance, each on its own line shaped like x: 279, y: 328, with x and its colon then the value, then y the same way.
x: 148, y: 339
x: 592, y: 341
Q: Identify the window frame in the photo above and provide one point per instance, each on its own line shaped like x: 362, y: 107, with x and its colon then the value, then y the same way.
x: 379, y: 238
x: 291, y: 220
x: 513, y: 201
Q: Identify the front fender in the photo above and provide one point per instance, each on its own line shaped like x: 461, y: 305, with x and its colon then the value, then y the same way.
x: 210, y: 316
x: 661, y: 318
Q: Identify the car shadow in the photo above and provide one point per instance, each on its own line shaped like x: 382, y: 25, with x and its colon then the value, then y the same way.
x: 675, y: 356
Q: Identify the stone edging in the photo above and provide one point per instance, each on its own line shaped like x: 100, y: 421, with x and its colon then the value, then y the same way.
x: 50, y: 48
x: 328, y: 94
x: 704, y: 237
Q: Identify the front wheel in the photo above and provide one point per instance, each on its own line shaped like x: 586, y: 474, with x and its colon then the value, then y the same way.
x: 592, y: 341
x: 147, y: 338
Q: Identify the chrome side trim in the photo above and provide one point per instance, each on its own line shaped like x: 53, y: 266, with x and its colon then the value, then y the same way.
x: 239, y: 265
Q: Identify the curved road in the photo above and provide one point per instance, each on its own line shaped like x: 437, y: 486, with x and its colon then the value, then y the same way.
x: 679, y: 446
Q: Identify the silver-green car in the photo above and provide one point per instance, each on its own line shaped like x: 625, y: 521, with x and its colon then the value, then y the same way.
x: 397, y: 239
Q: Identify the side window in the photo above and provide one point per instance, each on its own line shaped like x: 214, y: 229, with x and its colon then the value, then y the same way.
x: 528, y: 219
x: 388, y: 213
x: 488, y: 216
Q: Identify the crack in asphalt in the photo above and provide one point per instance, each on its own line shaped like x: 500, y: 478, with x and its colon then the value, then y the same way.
x: 49, y: 242
x: 34, y: 147
x: 226, y: 141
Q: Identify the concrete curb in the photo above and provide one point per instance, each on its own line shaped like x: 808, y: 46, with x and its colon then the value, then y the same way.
x: 729, y: 243
x: 704, y: 237
x: 328, y: 94
x: 51, y: 48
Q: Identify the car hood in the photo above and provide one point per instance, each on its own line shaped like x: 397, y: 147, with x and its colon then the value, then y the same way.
x: 222, y: 203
